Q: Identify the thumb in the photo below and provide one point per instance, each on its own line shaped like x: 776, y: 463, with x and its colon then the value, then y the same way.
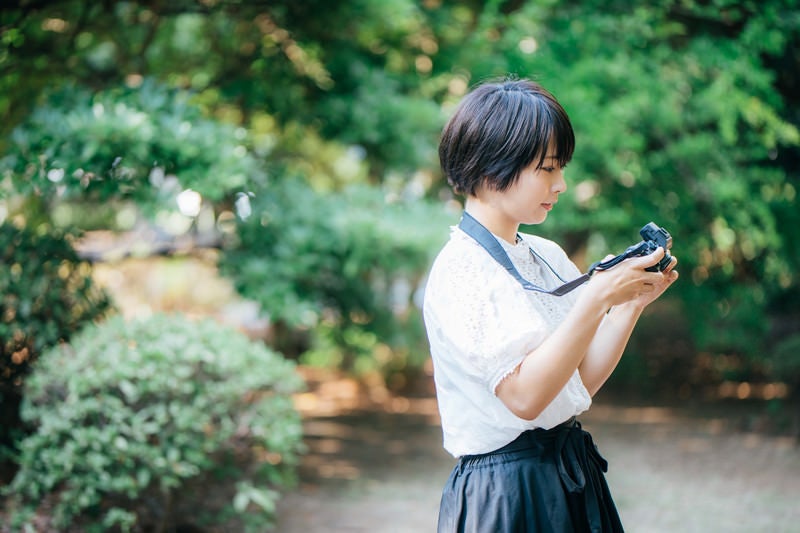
x: 651, y: 259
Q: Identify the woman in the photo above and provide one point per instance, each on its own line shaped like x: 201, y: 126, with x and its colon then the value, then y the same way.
x: 514, y: 364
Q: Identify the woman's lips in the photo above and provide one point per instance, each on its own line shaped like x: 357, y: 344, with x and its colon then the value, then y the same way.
x: 547, y: 207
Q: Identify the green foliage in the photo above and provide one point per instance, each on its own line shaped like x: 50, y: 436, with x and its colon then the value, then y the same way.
x: 345, y: 68
x: 147, y: 424
x: 785, y: 360
x: 699, y: 128
x: 686, y: 113
x: 146, y: 144
x: 348, y: 261
x: 679, y: 120
x: 46, y: 295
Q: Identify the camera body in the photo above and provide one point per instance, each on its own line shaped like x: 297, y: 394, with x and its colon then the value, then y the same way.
x: 653, y: 236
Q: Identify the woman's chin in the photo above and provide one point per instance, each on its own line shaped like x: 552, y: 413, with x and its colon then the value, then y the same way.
x: 535, y: 219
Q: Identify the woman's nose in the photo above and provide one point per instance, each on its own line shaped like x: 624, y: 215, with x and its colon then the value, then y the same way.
x: 560, y: 184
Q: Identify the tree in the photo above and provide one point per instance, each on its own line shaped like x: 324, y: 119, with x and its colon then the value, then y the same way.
x: 686, y: 112
x: 682, y: 118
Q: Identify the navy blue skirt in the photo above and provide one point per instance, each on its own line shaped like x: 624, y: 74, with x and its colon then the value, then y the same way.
x: 548, y: 481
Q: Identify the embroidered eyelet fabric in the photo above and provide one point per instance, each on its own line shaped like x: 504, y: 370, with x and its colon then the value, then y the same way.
x: 481, y: 324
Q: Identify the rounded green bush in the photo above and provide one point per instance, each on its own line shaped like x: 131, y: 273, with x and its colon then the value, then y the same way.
x: 147, y: 424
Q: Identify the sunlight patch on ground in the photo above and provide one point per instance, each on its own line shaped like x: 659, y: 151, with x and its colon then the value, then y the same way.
x: 633, y: 415
x: 191, y: 285
x: 331, y: 393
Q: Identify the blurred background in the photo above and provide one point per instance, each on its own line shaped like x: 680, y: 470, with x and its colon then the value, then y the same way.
x: 271, y: 166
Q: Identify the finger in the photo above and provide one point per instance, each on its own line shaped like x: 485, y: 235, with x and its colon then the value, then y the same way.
x: 650, y: 259
x: 658, y: 253
x: 666, y: 279
x: 653, y: 278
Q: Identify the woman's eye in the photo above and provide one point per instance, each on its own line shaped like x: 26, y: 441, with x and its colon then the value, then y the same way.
x: 548, y: 169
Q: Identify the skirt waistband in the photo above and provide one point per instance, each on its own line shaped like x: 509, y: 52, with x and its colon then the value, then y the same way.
x: 527, y: 440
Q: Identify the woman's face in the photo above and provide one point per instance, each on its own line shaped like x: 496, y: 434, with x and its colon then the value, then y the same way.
x: 533, y: 195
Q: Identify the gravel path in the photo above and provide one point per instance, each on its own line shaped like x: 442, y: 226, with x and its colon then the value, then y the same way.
x: 670, y: 471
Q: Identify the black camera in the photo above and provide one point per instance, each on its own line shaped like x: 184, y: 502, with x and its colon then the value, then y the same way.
x: 654, y: 237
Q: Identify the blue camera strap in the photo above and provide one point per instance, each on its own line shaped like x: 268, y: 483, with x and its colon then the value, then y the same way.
x: 484, y: 237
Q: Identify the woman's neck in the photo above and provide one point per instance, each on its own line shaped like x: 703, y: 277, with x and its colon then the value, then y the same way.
x: 492, y: 219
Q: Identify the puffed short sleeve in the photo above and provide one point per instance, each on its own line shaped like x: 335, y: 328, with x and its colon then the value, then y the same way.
x: 478, y: 317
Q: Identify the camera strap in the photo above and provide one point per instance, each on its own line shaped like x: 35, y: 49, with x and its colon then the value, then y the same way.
x: 484, y: 237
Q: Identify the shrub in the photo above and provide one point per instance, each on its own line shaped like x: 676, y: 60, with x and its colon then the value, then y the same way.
x: 344, y: 265
x: 46, y: 295
x: 146, y: 424
x: 146, y: 144
x: 785, y: 361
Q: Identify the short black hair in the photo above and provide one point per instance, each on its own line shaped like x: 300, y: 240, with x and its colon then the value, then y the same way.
x: 499, y: 129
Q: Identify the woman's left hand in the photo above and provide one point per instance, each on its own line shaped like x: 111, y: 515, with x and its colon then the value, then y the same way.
x: 669, y: 275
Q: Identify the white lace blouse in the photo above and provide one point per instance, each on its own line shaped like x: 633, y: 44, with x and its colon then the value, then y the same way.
x: 481, y: 323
